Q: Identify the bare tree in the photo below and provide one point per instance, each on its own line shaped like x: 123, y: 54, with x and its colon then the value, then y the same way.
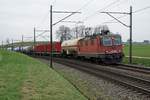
x: 7, y: 41
x: 88, y: 31
x: 78, y: 31
x: 101, y: 29
x: 63, y: 33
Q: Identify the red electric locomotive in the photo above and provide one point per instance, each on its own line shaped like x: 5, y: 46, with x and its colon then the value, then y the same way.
x: 105, y: 47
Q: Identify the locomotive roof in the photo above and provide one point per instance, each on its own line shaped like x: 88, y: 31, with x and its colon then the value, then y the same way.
x: 94, y: 36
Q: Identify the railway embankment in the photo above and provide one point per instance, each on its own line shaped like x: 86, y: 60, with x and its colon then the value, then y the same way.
x: 94, y: 87
x: 24, y: 78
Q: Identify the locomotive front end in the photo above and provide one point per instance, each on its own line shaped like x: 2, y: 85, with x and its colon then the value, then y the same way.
x: 113, y: 48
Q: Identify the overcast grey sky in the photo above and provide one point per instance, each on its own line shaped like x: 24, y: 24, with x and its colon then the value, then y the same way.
x: 18, y: 17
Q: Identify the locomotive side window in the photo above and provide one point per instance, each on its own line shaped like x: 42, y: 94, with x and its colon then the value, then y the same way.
x: 107, y: 41
x: 117, y: 40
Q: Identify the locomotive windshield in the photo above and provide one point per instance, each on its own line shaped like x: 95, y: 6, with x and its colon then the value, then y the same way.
x: 117, y: 40
x: 107, y: 41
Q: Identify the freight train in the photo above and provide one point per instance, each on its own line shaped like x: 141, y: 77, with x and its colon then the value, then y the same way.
x: 106, y: 48
x: 102, y: 47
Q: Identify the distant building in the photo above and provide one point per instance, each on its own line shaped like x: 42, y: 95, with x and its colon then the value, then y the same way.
x: 146, y: 41
x: 128, y: 41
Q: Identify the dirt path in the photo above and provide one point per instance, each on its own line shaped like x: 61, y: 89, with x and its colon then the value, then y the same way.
x: 140, y: 57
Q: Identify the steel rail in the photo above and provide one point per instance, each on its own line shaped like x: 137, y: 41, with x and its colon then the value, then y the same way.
x: 137, y: 68
x: 136, y: 83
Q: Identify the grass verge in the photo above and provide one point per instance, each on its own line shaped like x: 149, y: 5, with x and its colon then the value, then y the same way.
x: 23, y: 78
x: 141, y: 50
x: 138, y: 61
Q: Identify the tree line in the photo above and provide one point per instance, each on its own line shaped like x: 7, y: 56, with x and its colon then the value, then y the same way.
x: 66, y: 33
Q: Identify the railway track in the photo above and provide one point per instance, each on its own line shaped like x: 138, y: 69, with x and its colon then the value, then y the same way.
x: 136, y: 68
x: 136, y: 83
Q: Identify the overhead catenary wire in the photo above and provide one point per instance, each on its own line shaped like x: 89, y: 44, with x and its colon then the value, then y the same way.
x: 142, y: 9
x: 46, y: 14
x: 41, y: 34
x: 117, y: 4
x: 86, y: 4
x: 139, y: 10
x: 107, y: 6
x: 112, y: 21
x: 54, y: 2
x: 44, y: 18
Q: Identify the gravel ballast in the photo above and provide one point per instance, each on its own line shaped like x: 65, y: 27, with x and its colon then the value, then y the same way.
x: 96, y: 88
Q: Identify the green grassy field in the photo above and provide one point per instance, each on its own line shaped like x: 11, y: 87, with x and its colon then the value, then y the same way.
x: 23, y: 78
x: 141, y: 50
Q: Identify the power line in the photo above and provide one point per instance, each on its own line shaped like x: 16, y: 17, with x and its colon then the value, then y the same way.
x: 63, y: 12
x: 109, y: 5
x: 86, y: 4
x: 64, y: 18
x: 111, y: 21
x: 139, y: 10
x: 44, y: 18
x: 44, y: 37
x: 40, y: 34
x: 54, y: 2
x: 119, y: 3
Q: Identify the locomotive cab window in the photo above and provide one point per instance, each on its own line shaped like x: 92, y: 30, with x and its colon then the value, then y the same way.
x: 117, y: 40
x: 107, y: 41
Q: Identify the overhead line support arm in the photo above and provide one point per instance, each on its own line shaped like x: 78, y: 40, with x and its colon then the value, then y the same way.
x: 116, y: 12
x: 72, y: 13
x: 64, y: 12
x: 117, y: 19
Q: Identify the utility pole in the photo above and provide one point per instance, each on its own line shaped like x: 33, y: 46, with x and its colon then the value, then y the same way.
x: 34, y: 37
x: 12, y: 48
x: 51, y: 37
x: 129, y: 26
x: 130, y: 51
x: 34, y: 40
x: 76, y: 32
x: 22, y: 44
x: 2, y: 44
x: 51, y: 29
